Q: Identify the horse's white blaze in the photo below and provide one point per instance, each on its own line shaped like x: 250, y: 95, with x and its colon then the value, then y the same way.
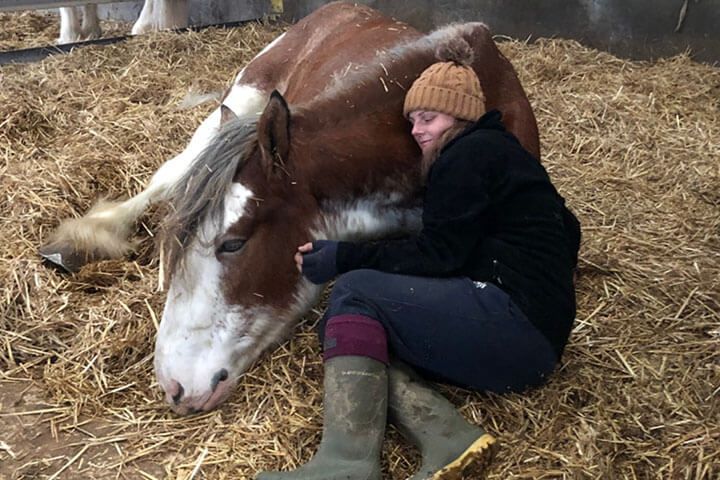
x: 200, y: 333
x: 193, y: 332
x: 235, y: 201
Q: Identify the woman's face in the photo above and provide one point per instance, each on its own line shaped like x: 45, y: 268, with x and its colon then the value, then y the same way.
x: 428, y: 127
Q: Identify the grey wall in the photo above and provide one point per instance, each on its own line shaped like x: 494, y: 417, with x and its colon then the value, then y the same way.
x: 628, y: 28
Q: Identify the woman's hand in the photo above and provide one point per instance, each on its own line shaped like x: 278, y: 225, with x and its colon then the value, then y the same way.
x: 298, y: 255
x: 317, y: 260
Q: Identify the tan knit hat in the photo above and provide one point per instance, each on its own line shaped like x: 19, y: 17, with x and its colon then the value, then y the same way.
x: 449, y: 86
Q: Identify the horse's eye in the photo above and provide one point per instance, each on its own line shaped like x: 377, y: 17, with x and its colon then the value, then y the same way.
x: 233, y: 245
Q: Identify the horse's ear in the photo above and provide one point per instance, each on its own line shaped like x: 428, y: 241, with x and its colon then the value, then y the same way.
x: 274, y: 134
x: 226, y: 114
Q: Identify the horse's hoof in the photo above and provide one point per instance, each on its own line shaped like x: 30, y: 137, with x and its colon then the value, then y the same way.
x: 64, y: 256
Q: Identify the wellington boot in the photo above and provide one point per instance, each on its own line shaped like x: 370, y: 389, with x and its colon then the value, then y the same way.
x: 355, y: 402
x: 451, y: 447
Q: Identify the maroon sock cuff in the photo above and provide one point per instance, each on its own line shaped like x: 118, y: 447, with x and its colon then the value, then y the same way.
x: 355, y: 335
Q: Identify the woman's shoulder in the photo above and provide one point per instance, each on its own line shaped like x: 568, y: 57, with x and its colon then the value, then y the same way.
x: 478, y: 147
x: 488, y: 133
x: 483, y: 139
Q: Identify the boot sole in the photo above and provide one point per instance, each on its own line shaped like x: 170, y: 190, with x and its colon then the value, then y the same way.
x: 472, y: 462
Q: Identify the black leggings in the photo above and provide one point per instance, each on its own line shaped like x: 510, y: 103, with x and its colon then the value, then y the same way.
x: 452, y: 330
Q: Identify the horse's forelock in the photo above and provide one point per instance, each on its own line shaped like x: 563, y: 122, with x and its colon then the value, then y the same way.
x: 200, y: 193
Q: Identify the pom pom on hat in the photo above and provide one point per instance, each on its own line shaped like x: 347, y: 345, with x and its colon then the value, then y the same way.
x: 450, y: 86
x: 456, y: 50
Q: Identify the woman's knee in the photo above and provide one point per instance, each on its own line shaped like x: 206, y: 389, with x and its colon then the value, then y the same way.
x: 352, y: 294
x: 354, y: 287
x: 359, y: 280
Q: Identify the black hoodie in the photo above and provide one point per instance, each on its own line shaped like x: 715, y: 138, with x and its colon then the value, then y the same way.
x: 492, y: 214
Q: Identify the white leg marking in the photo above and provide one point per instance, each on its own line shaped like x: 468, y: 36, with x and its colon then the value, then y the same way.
x: 90, y: 22
x: 160, y: 15
x: 69, y: 25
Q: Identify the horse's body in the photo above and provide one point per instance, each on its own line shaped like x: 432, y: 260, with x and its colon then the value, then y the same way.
x: 338, y: 163
x: 82, y: 23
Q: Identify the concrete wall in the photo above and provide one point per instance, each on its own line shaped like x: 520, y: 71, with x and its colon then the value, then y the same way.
x: 638, y: 29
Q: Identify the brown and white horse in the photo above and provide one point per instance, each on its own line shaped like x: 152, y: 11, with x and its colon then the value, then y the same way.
x: 82, y: 23
x: 331, y: 157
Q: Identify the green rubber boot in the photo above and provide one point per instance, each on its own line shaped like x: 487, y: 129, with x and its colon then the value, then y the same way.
x: 355, y: 402
x: 451, y: 447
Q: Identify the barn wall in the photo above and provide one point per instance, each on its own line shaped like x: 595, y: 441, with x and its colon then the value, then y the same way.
x: 637, y: 29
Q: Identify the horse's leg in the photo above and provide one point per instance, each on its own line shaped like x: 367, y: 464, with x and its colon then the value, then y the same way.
x: 103, y: 232
x: 90, y: 22
x: 69, y: 25
x: 161, y: 15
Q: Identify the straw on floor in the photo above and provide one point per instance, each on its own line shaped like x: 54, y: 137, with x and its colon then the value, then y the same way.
x: 32, y: 29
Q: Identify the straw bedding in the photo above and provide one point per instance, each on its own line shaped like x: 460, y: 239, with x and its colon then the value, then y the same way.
x: 633, y: 146
x: 39, y: 29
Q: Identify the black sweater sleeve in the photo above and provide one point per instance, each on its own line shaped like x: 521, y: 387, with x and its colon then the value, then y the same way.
x: 456, y: 199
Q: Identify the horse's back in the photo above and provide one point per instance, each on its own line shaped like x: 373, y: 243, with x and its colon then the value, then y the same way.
x: 502, y: 87
x: 327, y: 59
x: 330, y: 43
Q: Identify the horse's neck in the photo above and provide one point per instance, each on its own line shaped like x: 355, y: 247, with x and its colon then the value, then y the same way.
x: 365, y: 173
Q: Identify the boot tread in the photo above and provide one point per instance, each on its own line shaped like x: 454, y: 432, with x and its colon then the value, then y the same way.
x: 472, y: 462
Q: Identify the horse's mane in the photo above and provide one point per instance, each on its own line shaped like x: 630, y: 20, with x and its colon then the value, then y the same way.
x: 200, y: 193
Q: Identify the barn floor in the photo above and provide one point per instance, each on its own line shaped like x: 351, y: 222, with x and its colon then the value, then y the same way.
x: 37, y: 29
x: 634, y: 147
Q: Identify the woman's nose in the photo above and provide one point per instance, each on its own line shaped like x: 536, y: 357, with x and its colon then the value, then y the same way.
x: 415, y: 130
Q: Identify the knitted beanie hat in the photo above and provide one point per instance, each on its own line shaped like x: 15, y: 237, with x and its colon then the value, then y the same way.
x: 449, y: 86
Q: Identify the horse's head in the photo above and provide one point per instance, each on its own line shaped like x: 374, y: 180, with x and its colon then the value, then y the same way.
x: 240, y: 213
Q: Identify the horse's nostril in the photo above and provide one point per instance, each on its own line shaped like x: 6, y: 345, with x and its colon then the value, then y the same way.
x: 178, y: 395
x: 220, y: 376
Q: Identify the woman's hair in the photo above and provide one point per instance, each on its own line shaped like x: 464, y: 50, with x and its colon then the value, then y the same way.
x: 431, y: 155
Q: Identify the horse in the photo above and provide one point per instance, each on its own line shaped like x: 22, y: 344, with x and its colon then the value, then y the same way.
x: 309, y: 142
x: 82, y: 23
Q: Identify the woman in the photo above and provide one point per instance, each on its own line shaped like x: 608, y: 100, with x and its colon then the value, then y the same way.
x: 482, y: 297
